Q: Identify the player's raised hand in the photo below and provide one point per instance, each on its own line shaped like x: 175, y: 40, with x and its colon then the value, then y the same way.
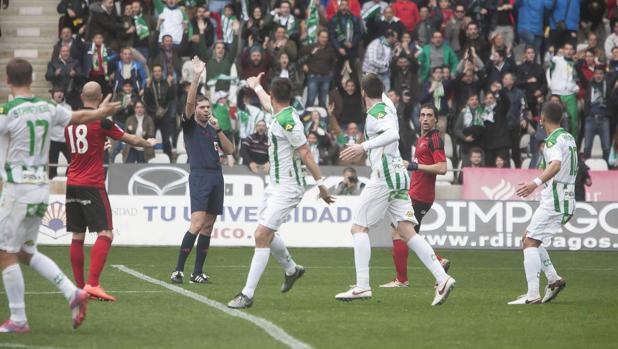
x: 254, y: 81
x: 351, y: 152
x: 325, y: 195
x: 198, y: 65
x: 152, y: 142
x: 108, y: 107
x: 525, y: 189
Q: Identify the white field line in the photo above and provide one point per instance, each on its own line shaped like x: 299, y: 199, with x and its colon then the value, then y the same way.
x: 270, y: 328
x: 23, y: 346
x: 58, y: 292
x: 210, y: 266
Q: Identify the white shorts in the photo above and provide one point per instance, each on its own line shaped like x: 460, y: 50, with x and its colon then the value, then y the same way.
x: 277, y: 203
x: 22, y: 206
x: 377, y: 199
x: 545, y: 223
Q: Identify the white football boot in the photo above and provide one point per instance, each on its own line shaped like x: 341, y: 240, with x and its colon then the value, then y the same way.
x: 443, y: 290
x: 524, y: 300
x: 552, y: 290
x: 354, y: 293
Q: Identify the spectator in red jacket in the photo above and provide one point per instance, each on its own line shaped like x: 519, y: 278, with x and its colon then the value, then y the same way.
x: 407, y: 12
x: 333, y: 7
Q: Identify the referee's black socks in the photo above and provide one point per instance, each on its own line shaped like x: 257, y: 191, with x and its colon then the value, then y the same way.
x: 185, y: 249
x: 203, y: 243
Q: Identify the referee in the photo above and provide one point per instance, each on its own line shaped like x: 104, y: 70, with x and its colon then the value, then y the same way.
x: 203, y: 139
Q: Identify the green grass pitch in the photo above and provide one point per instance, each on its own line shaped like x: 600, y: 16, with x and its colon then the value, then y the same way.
x: 475, y: 316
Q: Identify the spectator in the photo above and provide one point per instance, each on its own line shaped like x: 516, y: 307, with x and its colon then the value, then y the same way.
x: 473, y: 38
x: 316, y: 124
x: 531, y: 78
x: 255, y: 62
x: 582, y: 179
x: 224, y: 112
x: 500, y: 162
x: 453, y: 29
x: 171, y: 22
x: 561, y: 78
x: 319, y: 61
x: 257, y: 27
x: 144, y: 29
x: 441, y: 13
x: 168, y: 58
x: 498, y: 66
x: 350, y: 185
x: 369, y: 5
x: 127, y: 97
x: 388, y: 21
x: 219, y: 66
x: 424, y: 28
x: 407, y: 11
x: 96, y: 63
x: 104, y: 20
x: 66, y: 73
x: 129, y: 69
x: 57, y: 143
x: 437, y: 54
x: 345, y: 33
x: 158, y: 97
x: 281, y: 44
x: 435, y: 91
x: 125, y: 39
x: 141, y: 125
x: 496, y: 135
x: 334, y: 6
x: 530, y: 24
x: 74, y: 14
x: 378, y: 57
x: 229, y: 26
x: 585, y: 71
x: 563, y: 21
x: 594, y: 45
x: 407, y: 136
x: 282, y: 16
x: 517, y: 104
x: 352, y: 135
x: 254, y: 150
x: 66, y: 39
x: 598, y: 95
x: 469, y: 127
x: 504, y: 21
x: 612, y: 39
x: 314, y: 147
x: 475, y: 160
x: 404, y: 76
x: 348, y: 105
x: 204, y: 33
x: 466, y: 84
x: 285, y: 69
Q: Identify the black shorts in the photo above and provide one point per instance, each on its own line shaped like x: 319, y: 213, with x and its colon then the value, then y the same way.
x: 420, y: 210
x: 87, y: 207
x: 207, y: 191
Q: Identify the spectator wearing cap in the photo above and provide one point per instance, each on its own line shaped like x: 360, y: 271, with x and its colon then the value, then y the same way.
x: 158, y: 97
x: 598, y: 95
x: 171, y: 22
x: 66, y: 72
x: 378, y: 57
x: 57, y: 143
x: 77, y: 47
x: 436, y: 54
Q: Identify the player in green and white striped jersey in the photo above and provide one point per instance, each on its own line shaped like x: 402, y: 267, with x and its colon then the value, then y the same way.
x: 24, y: 146
x: 286, y: 149
x: 556, y: 207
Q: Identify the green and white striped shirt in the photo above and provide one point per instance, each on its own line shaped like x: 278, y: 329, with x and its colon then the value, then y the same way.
x: 24, y: 138
x: 285, y: 134
x: 559, y: 192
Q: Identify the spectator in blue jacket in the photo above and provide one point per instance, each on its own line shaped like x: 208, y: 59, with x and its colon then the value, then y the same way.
x: 530, y: 23
x: 563, y: 21
x: 129, y: 69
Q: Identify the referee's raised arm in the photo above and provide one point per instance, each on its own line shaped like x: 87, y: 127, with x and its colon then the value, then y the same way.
x: 198, y: 68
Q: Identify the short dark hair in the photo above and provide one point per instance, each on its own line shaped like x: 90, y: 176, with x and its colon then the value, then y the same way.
x: 281, y: 90
x: 372, y: 85
x: 201, y: 98
x: 501, y: 52
x: 600, y: 67
x: 429, y: 106
x: 433, y: 70
x: 477, y: 150
x: 553, y: 112
x: 155, y: 66
x: 349, y: 169
x: 19, y: 72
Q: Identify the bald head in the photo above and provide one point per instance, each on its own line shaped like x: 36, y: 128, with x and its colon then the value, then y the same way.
x: 91, y: 94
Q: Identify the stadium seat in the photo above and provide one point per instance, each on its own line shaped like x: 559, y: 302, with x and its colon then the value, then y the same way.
x: 448, y: 145
x: 160, y: 158
x: 597, y: 164
x: 597, y: 150
x: 182, y: 158
x: 447, y: 178
x: 526, y: 163
x: 180, y: 144
x: 62, y: 170
x: 118, y: 158
x: 524, y: 145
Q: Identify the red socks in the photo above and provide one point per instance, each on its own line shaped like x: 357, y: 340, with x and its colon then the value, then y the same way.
x: 98, y: 255
x: 400, y: 256
x: 77, y: 261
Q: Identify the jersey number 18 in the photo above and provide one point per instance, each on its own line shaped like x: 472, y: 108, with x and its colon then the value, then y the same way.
x: 78, y: 139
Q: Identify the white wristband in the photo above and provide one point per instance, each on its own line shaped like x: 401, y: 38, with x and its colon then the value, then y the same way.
x: 319, y: 182
x: 258, y: 88
x: 537, y: 181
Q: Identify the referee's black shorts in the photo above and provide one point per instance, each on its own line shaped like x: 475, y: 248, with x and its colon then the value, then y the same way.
x: 88, y: 208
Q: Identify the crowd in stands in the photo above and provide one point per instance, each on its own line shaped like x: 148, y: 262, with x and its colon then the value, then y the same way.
x: 486, y: 65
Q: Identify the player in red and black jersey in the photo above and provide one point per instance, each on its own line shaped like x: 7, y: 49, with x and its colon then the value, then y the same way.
x: 429, y: 161
x: 87, y: 204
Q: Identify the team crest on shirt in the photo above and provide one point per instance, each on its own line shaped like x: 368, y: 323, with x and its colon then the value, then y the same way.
x: 54, y: 221
x: 289, y: 127
x: 409, y: 214
x: 380, y: 115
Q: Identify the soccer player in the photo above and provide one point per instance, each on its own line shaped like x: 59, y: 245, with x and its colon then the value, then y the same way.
x: 202, y: 136
x: 24, y: 148
x: 287, y: 148
x: 430, y: 160
x: 556, y: 207
x: 387, y: 192
x: 87, y: 204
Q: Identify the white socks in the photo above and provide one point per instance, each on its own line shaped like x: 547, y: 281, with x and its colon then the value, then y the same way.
x: 532, y: 266
x: 547, y: 266
x: 278, y: 249
x: 14, y: 286
x: 49, y: 270
x: 258, y: 264
x: 362, y: 255
x: 426, y: 254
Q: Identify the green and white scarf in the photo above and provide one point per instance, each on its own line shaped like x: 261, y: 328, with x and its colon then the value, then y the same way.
x: 212, y: 82
x: 228, y: 28
x: 438, y: 93
x: 473, y: 119
x: 312, y: 23
x: 95, y: 59
x: 141, y: 28
x: 371, y: 12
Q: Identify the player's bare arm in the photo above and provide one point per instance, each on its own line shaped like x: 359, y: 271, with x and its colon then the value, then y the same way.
x: 306, y: 157
x: 254, y: 83
x: 87, y: 115
x: 138, y: 141
x: 226, y: 144
x: 198, y: 69
x: 525, y: 189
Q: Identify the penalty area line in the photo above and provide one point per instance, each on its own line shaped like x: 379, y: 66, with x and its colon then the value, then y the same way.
x: 24, y: 346
x: 271, y: 329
